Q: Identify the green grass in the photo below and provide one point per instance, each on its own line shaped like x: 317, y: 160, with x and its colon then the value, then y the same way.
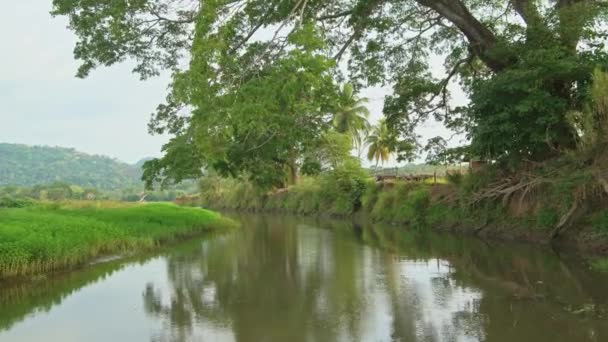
x: 600, y: 265
x: 50, y: 237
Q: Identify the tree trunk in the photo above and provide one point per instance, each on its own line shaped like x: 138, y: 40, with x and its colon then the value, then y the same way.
x: 293, y: 172
x: 482, y: 40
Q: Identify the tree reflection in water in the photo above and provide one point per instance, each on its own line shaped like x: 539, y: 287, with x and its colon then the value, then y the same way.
x: 295, y: 279
x: 278, y: 281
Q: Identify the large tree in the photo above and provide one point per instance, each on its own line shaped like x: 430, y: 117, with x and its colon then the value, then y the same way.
x: 524, y: 63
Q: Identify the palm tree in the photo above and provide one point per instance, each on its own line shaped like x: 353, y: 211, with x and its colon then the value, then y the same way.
x: 381, y: 144
x: 351, y: 116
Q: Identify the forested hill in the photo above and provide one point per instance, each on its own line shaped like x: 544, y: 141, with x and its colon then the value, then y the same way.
x: 33, y: 165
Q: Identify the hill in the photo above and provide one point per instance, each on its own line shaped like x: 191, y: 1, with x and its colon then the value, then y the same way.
x: 24, y: 165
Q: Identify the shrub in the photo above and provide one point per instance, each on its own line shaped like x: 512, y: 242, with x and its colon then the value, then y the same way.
x: 10, y: 202
x: 370, y: 195
x: 304, y: 198
x: 600, y: 222
x: 343, y: 187
x: 415, y: 206
x: 455, y: 178
x: 442, y: 214
x: 546, y: 218
x: 383, y: 208
x: 600, y: 265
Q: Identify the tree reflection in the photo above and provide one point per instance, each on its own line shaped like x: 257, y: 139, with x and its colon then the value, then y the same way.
x: 275, y: 280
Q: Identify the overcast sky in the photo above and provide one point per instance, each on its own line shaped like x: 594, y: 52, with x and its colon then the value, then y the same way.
x: 107, y: 113
x: 44, y: 104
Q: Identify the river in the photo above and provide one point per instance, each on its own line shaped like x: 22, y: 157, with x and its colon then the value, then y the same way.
x: 300, y: 279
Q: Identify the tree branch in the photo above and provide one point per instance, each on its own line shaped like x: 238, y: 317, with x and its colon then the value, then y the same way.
x: 480, y: 37
x: 526, y: 9
x: 350, y: 40
x: 335, y: 15
x: 246, y: 39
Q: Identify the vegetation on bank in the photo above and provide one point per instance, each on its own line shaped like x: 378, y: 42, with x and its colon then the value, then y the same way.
x: 542, y: 212
x: 52, y: 236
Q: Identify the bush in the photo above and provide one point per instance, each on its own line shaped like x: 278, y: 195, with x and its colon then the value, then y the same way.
x: 9, y: 202
x: 305, y: 198
x: 443, y: 214
x: 343, y: 187
x: 227, y: 193
x: 455, y: 178
x: 403, y: 203
x: 600, y: 222
x: 370, y: 195
x: 546, y: 218
x: 382, y: 210
x: 600, y: 265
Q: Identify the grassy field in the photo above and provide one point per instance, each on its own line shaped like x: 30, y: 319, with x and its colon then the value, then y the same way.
x: 54, y: 236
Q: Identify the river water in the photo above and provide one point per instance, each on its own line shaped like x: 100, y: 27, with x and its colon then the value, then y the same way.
x: 294, y: 279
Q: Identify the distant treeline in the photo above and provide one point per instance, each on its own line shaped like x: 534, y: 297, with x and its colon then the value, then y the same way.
x: 16, y: 196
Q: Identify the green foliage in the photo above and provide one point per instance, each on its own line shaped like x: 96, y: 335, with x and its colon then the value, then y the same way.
x: 591, y: 123
x: 350, y: 116
x: 370, y: 196
x: 405, y: 203
x: 51, y: 237
x: 280, y: 111
x: 547, y: 218
x: 600, y: 222
x: 310, y: 167
x: 342, y: 188
x: 8, y: 202
x: 444, y: 215
x: 259, y: 102
x: 455, y: 178
x: 304, y: 198
x: 381, y: 143
x: 227, y: 193
x: 522, y: 111
x: 600, y: 265
x: 28, y: 166
x: 334, y: 192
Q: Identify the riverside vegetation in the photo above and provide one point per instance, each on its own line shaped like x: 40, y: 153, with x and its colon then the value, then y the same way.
x: 458, y: 205
x: 45, y: 237
x: 269, y: 112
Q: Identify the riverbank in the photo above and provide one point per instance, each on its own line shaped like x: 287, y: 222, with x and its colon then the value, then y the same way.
x: 535, y: 216
x: 48, y: 237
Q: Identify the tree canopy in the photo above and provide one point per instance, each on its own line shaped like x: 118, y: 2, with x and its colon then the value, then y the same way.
x: 263, y: 74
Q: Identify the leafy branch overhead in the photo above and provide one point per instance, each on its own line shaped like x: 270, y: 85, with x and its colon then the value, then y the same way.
x: 255, y: 81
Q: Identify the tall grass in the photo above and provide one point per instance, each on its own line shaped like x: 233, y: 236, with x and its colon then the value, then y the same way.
x: 55, y: 236
x: 336, y: 192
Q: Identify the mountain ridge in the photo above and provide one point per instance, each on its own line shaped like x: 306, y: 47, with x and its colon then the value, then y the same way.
x: 28, y: 165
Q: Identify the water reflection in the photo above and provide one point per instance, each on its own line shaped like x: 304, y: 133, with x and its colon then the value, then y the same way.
x: 294, y: 279
x: 281, y: 281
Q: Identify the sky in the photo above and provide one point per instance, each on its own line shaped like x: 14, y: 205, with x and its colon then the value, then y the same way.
x: 43, y: 103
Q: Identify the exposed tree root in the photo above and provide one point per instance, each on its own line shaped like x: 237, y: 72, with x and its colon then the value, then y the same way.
x: 602, y: 180
x: 564, y: 220
x: 509, y: 186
